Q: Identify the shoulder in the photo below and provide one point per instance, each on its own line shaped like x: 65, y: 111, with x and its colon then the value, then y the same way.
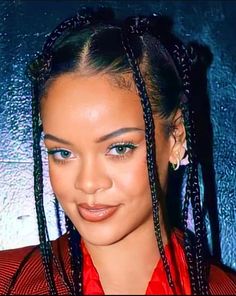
x: 12, y: 260
x: 222, y: 280
x: 26, y: 264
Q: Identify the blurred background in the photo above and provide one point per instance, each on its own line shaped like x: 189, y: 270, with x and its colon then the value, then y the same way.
x: 23, y: 28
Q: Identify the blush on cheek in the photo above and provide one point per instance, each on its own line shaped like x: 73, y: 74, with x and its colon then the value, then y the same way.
x: 134, y: 181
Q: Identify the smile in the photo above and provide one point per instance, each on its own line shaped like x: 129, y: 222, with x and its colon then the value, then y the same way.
x: 97, y: 212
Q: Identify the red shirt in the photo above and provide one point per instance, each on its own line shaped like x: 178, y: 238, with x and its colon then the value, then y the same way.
x: 158, y: 283
x: 31, y: 280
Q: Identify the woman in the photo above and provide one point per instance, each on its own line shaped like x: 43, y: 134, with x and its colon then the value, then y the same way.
x: 109, y: 160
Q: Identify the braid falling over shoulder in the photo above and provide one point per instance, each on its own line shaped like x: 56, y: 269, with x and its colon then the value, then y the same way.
x: 149, y: 135
x: 183, y: 60
x: 195, y: 256
x: 39, y: 73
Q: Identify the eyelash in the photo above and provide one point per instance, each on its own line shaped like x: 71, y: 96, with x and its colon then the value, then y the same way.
x: 54, y: 151
x: 128, y: 145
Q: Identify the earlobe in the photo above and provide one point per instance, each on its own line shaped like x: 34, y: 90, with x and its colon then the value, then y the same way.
x: 176, y: 165
x: 178, y: 138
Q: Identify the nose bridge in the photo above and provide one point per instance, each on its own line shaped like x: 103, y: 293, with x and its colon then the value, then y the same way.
x: 92, y: 176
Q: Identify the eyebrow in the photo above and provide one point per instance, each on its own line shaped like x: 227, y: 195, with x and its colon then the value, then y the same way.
x: 118, y: 133
x: 113, y: 134
x: 56, y: 139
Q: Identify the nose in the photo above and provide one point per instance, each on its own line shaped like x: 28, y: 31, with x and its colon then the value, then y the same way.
x: 92, y: 177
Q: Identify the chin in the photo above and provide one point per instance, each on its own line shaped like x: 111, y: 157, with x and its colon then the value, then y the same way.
x: 100, y: 235
x: 101, y: 239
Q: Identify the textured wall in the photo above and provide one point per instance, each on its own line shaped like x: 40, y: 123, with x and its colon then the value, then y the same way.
x: 24, y: 25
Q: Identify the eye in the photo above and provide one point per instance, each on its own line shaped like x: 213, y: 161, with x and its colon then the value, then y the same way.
x: 121, y: 149
x: 60, y: 155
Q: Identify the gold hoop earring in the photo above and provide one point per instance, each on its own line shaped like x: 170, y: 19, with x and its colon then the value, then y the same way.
x: 175, y: 166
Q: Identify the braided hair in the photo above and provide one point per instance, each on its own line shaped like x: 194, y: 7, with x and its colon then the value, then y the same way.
x: 140, y: 45
x: 183, y: 60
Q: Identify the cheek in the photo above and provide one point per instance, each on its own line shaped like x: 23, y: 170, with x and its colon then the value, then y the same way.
x: 61, y: 179
x: 132, y: 179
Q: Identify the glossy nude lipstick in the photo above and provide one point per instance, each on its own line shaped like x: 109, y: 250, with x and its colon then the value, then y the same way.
x: 97, y: 212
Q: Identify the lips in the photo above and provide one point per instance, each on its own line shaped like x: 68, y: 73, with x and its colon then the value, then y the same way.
x: 97, y: 212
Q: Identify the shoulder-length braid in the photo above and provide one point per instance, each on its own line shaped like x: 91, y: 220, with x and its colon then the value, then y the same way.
x: 38, y: 189
x: 195, y: 254
x: 138, y: 26
x: 197, y: 278
x: 39, y: 77
x: 181, y: 55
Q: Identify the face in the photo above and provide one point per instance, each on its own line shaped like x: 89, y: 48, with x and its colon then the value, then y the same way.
x: 94, y: 133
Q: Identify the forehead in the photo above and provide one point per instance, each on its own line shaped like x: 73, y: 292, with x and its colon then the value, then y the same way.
x: 99, y: 101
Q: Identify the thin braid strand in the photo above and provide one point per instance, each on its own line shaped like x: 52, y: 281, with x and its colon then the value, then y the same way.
x: 149, y: 134
x: 46, y: 57
x: 192, y: 189
x: 38, y: 189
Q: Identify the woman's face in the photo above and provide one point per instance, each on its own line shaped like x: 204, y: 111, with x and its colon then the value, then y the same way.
x: 94, y: 133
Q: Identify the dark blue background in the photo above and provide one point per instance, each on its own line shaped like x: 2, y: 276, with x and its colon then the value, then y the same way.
x: 23, y: 27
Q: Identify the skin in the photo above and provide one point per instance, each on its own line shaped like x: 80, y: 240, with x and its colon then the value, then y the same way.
x: 80, y: 111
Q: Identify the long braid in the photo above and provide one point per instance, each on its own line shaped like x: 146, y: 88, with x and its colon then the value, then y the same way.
x: 190, y: 251
x: 38, y: 189
x: 74, y: 22
x: 43, y: 64
x: 75, y: 256
x: 59, y: 266
x: 149, y: 136
x: 197, y: 268
x: 45, y: 247
x: 192, y: 187
x: 83, y: 18
x: 48, y: 256
x: 195, y: 256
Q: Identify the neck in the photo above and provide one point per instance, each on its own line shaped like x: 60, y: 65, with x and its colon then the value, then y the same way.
x: 126, y: 266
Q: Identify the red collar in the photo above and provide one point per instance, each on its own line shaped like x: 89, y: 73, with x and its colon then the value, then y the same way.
x: 158, y: 283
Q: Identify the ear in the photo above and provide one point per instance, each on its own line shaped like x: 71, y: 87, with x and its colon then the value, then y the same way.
x: 177, y: 138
